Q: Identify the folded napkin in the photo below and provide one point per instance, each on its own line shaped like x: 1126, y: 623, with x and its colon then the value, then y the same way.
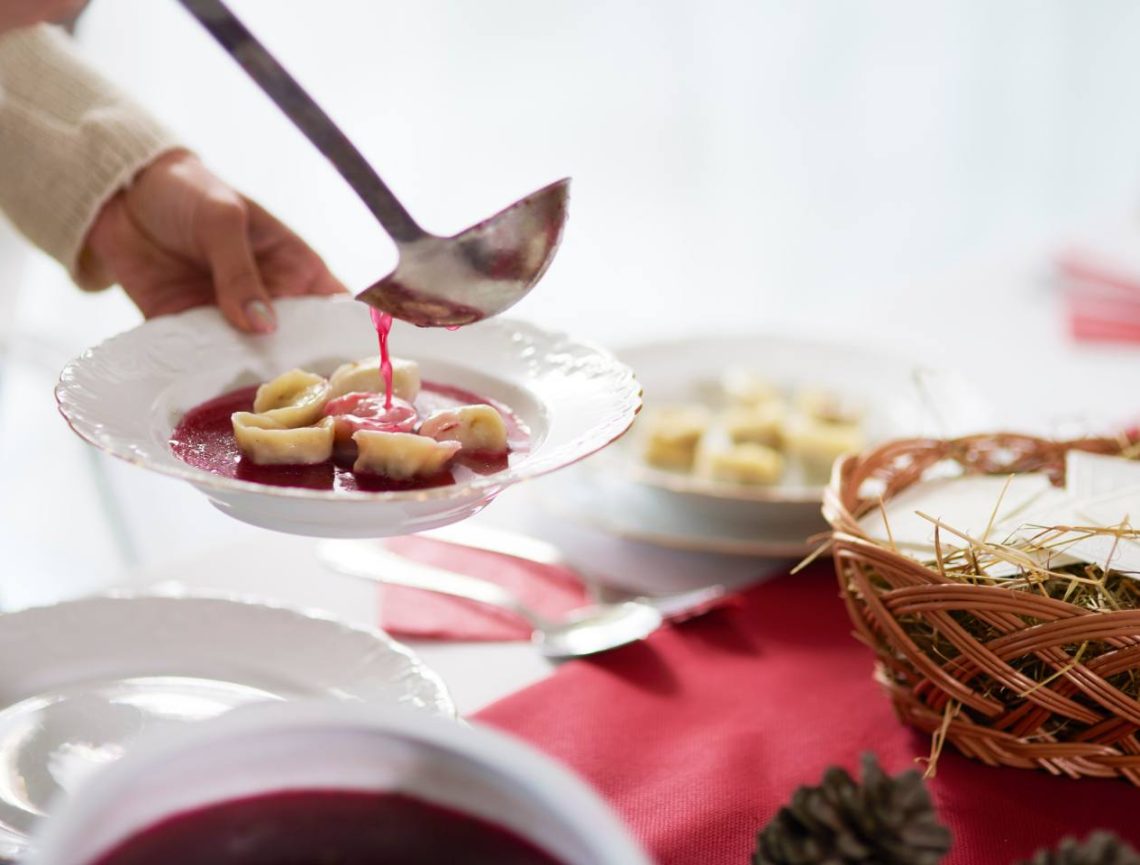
x: 699, y: 734
x: 1102, y: 296
x: 548, y: 590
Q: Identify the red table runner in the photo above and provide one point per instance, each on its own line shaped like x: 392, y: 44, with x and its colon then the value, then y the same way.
x: 698, y: 735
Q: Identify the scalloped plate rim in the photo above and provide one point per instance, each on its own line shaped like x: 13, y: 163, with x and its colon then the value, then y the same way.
x: 442, y: 701
x: 607, y: 433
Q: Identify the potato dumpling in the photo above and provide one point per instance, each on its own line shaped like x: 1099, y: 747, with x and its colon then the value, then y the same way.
x: 742, y: 387
x: 293, y: 399
x: 828, y: 407
x: 818, y: 444
x: 747, y: 463
x: 477, y: 428
x: 671, y: 435
x: 363, y: 376
x: 761, y: 424
x: 267, y: 442
x: 356, y: 411
x: 401, y: 456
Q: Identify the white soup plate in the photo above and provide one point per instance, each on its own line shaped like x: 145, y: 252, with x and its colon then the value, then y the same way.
x: 126, y: 396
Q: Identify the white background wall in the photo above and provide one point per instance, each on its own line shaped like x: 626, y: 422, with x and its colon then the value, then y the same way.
x: 883, y: 169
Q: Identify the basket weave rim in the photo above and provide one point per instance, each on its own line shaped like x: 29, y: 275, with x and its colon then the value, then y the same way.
x: 1073, y: 722
x: 842, y: 507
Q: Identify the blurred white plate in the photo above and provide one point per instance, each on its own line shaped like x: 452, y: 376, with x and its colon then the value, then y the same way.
x: 593, y: 495
x: 900, y: 397
x: 82, y: 680
x: 126, y: 396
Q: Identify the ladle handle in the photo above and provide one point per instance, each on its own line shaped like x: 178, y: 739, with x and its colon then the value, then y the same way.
x: 306, y: 115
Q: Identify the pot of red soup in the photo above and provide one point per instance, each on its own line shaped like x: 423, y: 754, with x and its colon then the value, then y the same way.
x: 301, y: 784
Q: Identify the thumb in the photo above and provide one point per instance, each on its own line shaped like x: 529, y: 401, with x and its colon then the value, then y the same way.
x: 238, y: 287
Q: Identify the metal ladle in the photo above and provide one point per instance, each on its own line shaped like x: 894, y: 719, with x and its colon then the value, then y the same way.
x: 438, y: 281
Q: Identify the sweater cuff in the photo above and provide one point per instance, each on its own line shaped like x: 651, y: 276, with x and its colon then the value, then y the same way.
x: 69, y: 140
x: 120, y: 144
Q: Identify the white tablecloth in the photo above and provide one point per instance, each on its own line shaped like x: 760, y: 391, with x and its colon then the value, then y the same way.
x: 72, y: 521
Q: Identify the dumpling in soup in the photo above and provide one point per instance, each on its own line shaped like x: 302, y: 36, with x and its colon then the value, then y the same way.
x: 364, y: 377
x: 477, y: 428
x: 266, y: 441
x: 401, y: 456
x: 294, y: 399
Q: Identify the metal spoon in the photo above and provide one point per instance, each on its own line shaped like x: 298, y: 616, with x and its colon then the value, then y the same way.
x: 585, y: 631
x: 438, y: 281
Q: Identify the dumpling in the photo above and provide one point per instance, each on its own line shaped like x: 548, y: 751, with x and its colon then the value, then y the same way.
x: 745, y: 388
x: 672, y: 435
x: 268, y: 442
x: 401, y: 456
x: 355, y: 411
x: 818, y: 445
x: 828, y: 407
x: 748, y: 463
x: 761, y: 424
x: 477, y: 428
x: 294, y: 399
x: 364, y: 377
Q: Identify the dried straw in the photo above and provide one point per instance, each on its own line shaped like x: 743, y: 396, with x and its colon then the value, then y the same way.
x: 1035, y: 666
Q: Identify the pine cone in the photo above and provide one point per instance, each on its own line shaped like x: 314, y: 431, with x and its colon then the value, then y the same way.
x: 883, y: 820
x: 1100, y: 848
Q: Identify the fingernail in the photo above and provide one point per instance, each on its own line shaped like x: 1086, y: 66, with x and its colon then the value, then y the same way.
x: 260, y: 316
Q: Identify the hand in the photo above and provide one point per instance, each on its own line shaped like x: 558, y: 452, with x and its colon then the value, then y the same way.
x: 178, y: 237
x: 24, y: 13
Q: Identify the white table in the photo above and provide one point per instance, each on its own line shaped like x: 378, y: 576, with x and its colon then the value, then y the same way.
x: 73, y: 522
x: 264, y: 564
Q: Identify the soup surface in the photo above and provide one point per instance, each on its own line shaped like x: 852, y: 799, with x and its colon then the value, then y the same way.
x: 326, y: 828
x: 204, y: 438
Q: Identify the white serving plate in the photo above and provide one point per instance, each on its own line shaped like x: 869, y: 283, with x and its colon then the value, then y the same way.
x: 81, y: 680
x: 126, y: 396
x: 901, y: 397
x: 592, y: 495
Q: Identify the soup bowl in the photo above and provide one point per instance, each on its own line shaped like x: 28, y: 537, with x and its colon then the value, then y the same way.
x: 320, y: 747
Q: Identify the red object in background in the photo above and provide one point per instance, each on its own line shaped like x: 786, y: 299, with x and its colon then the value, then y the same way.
x: 698, y: 735
x: 1103, y: 303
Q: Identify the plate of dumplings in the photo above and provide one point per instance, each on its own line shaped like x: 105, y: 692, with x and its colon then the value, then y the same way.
x: 305, y: 431
x: 741, y: 432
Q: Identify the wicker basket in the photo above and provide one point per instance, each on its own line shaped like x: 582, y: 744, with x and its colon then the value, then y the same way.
x: 1076, y: 723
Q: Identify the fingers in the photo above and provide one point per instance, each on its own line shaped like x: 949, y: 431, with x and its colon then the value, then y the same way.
x: 290, y: 267
x: 224, y: 234
x: 326, y: 284
x: 116, y: 250
x: 23, y: 13
x: 179, y: 237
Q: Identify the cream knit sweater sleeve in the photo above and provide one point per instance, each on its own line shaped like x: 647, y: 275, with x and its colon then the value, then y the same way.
x: 69, y: 140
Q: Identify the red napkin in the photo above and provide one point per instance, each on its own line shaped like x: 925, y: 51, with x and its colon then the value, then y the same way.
x: 698, y: 735
x: 549, y: 591
x: 1103, y: 301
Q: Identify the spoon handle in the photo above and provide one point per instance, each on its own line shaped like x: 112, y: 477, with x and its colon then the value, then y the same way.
x: 306, y: 115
